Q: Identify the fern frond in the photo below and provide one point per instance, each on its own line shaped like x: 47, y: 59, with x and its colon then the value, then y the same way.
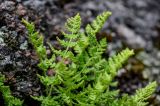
x: 115, y: 62
x: 95, y: 26
x: 30, y: 26
x: 73, y: 24
x: 36, y: 39
x: 7, y: 96
x: 144, y: 93
x: 98, y: 23
x: 91, y: 35
x: 140, y: 97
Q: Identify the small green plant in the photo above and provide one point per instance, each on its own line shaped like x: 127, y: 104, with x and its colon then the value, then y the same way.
x: 82, y: 77
x: 7, y: 96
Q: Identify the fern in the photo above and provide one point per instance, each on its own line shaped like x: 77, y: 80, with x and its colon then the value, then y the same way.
x: 143, y: 94
x: 7, y: 96
x: 86, y: 79
x: 36, y: 40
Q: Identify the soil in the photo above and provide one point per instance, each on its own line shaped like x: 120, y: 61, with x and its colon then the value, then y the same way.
x: 134, y: 24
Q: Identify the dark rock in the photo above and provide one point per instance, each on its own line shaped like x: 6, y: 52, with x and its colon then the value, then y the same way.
x: 7, y: 6
x: 19, y: 70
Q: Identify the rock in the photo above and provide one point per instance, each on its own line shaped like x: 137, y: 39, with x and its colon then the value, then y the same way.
x: 7, y: 6
x: 19, y: 70
x: 21, y: 10
x: 130, y: 37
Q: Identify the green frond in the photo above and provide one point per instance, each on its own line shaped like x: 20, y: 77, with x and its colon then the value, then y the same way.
x: 30, y: 26
x: 98, y: 23
x: 7, y: 96
x: 35, y: 39
x: 115, y: 62
x: 91, y: 35
x: 139, y: 99
x: 73, y: 24
x: 95, y: 26
x: 144, y: 93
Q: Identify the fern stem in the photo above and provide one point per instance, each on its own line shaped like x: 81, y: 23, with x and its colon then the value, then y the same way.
x: 67, y: 48
x: 50, y: 91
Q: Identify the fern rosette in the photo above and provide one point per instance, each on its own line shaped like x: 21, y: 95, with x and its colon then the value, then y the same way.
x: 87, y: 78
